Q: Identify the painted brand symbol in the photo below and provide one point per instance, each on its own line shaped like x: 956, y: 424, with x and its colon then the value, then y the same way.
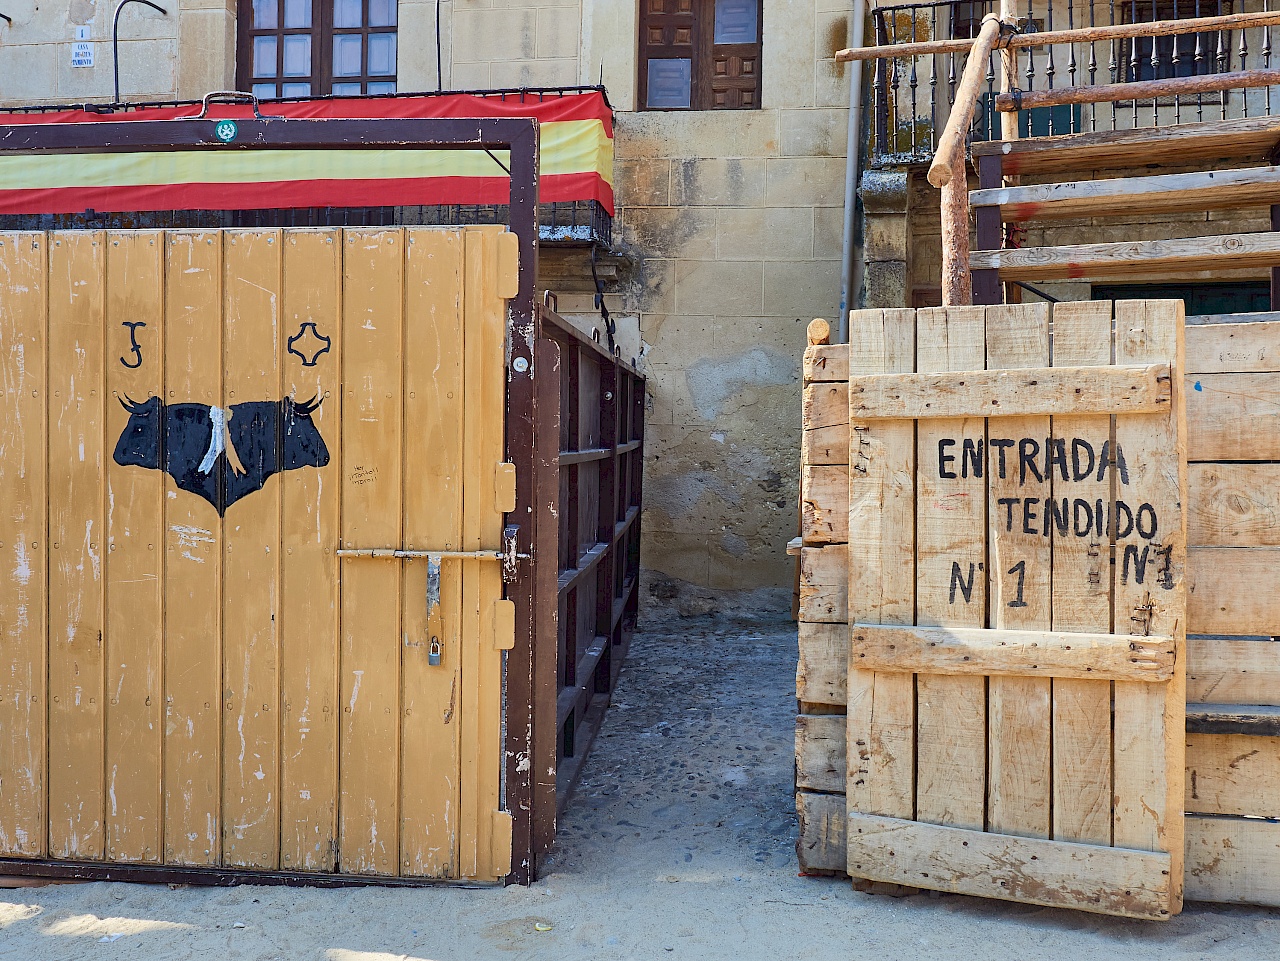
x: 225, y: 130
x: 221, y: 454
x: 311, y: 340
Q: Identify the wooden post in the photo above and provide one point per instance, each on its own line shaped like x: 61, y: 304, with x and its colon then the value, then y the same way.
x: 957, y: 283
x: 951, y: 143
x: 989, y: 227
x: 1275, y: 271
x: 1008, y: 72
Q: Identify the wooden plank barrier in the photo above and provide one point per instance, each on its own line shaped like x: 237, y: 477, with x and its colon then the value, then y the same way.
x: 199, y: 428
x: 967, y: 726
x: 1232, y: 744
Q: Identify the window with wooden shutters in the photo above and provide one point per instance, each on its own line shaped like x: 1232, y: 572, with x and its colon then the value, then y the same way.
x: 307, y: 48
x: 700, y: 54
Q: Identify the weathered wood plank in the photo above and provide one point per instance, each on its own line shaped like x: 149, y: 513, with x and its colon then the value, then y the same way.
x: 823, y: 665
x: 1233, y: 416
x: 824, y: 506
x: 826, y: 405
x: 826, y: 445
x: 1255, y: 720
x: 1233, y: 505
x: 1024, y: 653
x: 1032, y: 391
x: 1234, y: 860
x: 1081, y: 710
x: 824, y: 584
x: 881, y: 579
x: 1020, y: 563
x: 1149, y: 747
x: 1088, y: 877
x: 951, y: 582
x: 1127, y: 257
x: 1110, y: 149
x: 826, y: 362
x: 1228, y: 593
x: 1219, y: 671
x: 1163, y: 193
x: 1225, y: 348
x: 821, y: 843
x: 1233, y: 774
x: 820, y: 752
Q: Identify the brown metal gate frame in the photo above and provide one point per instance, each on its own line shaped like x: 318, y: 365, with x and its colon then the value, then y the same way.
x: 529, y: 750
x: 601, y: 433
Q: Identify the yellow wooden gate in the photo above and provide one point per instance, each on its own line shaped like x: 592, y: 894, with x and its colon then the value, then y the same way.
x: 1012, y: 578
x: 193, y: 425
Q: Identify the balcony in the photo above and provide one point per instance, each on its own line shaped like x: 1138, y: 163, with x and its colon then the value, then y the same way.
x: 911, y: 97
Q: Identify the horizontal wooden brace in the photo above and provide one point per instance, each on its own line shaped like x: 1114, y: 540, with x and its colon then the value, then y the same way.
x: 955, y: 650
x: 1092, y: 260
x: 1163, y: 193
x: 1136, y: 90
x: 1086, y: 877
x: 1171, y: 145
x: 1045, y: 38
x: 1133, y: 389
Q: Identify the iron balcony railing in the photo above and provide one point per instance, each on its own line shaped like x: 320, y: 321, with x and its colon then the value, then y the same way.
x: 911, y: 97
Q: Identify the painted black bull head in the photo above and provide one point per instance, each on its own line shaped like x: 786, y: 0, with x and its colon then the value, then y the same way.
x: 221, y: 454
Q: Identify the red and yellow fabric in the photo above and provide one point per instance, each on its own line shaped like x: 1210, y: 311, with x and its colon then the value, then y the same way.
x: 575, y: 150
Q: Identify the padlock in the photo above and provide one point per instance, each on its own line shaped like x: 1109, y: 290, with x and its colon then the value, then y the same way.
x: 433, y: 653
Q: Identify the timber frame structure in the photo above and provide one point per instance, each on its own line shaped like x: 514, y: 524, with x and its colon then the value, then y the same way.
x: 532, y: 415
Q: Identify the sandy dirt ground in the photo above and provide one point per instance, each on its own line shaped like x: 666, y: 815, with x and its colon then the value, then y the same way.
x: 679, y: 843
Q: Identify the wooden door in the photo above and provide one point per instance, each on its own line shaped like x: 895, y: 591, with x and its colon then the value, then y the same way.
x: 195, y: 425
x: 1016, y: 601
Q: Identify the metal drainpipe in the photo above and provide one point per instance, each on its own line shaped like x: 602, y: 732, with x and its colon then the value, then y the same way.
x: 851, y: 262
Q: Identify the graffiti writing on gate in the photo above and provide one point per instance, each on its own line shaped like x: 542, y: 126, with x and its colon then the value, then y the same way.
x: 1067, y: 466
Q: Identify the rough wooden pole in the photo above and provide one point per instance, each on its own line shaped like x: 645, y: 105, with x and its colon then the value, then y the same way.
x: 951, y: 143
x: 1009, y: 71
x: 957, y: 282
x: 819, y: 332
x: 1138, y: 90
x: 1119, y: 31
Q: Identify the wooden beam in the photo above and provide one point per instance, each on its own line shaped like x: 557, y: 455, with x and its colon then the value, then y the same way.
x: 1233, y: 416
x: 1137, y: 90
x: 1233, y: 774
x: 1091, y: 260
x: 1157, y: 28
x: 1167, y: 193
x: 1175, y: 144
x: 1230, y: 348
x: 943, y: 650
x: 1021, y: 392
x: 1228, y: 591
x: 1220, y: 670
x: 1231, y: 859
x: 1257, y: 720
x: 1229, y: 505
x: 1086, y: 877
x: 820, y: 753
x: 951, y: 141
x: 821, y: 846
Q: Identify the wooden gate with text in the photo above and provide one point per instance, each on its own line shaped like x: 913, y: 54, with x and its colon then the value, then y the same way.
x: 1008, y: 585
x: 251, y: 587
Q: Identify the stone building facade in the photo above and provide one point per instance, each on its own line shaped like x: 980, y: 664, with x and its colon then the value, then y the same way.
x: 727, y: 238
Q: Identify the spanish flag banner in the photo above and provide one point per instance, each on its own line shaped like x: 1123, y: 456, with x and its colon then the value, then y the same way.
x: 575, y: 150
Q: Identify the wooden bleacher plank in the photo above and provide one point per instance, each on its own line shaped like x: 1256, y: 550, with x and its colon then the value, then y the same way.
x: 1160, y: 194
x: 1149, y: 146
x: 1113, y: 259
